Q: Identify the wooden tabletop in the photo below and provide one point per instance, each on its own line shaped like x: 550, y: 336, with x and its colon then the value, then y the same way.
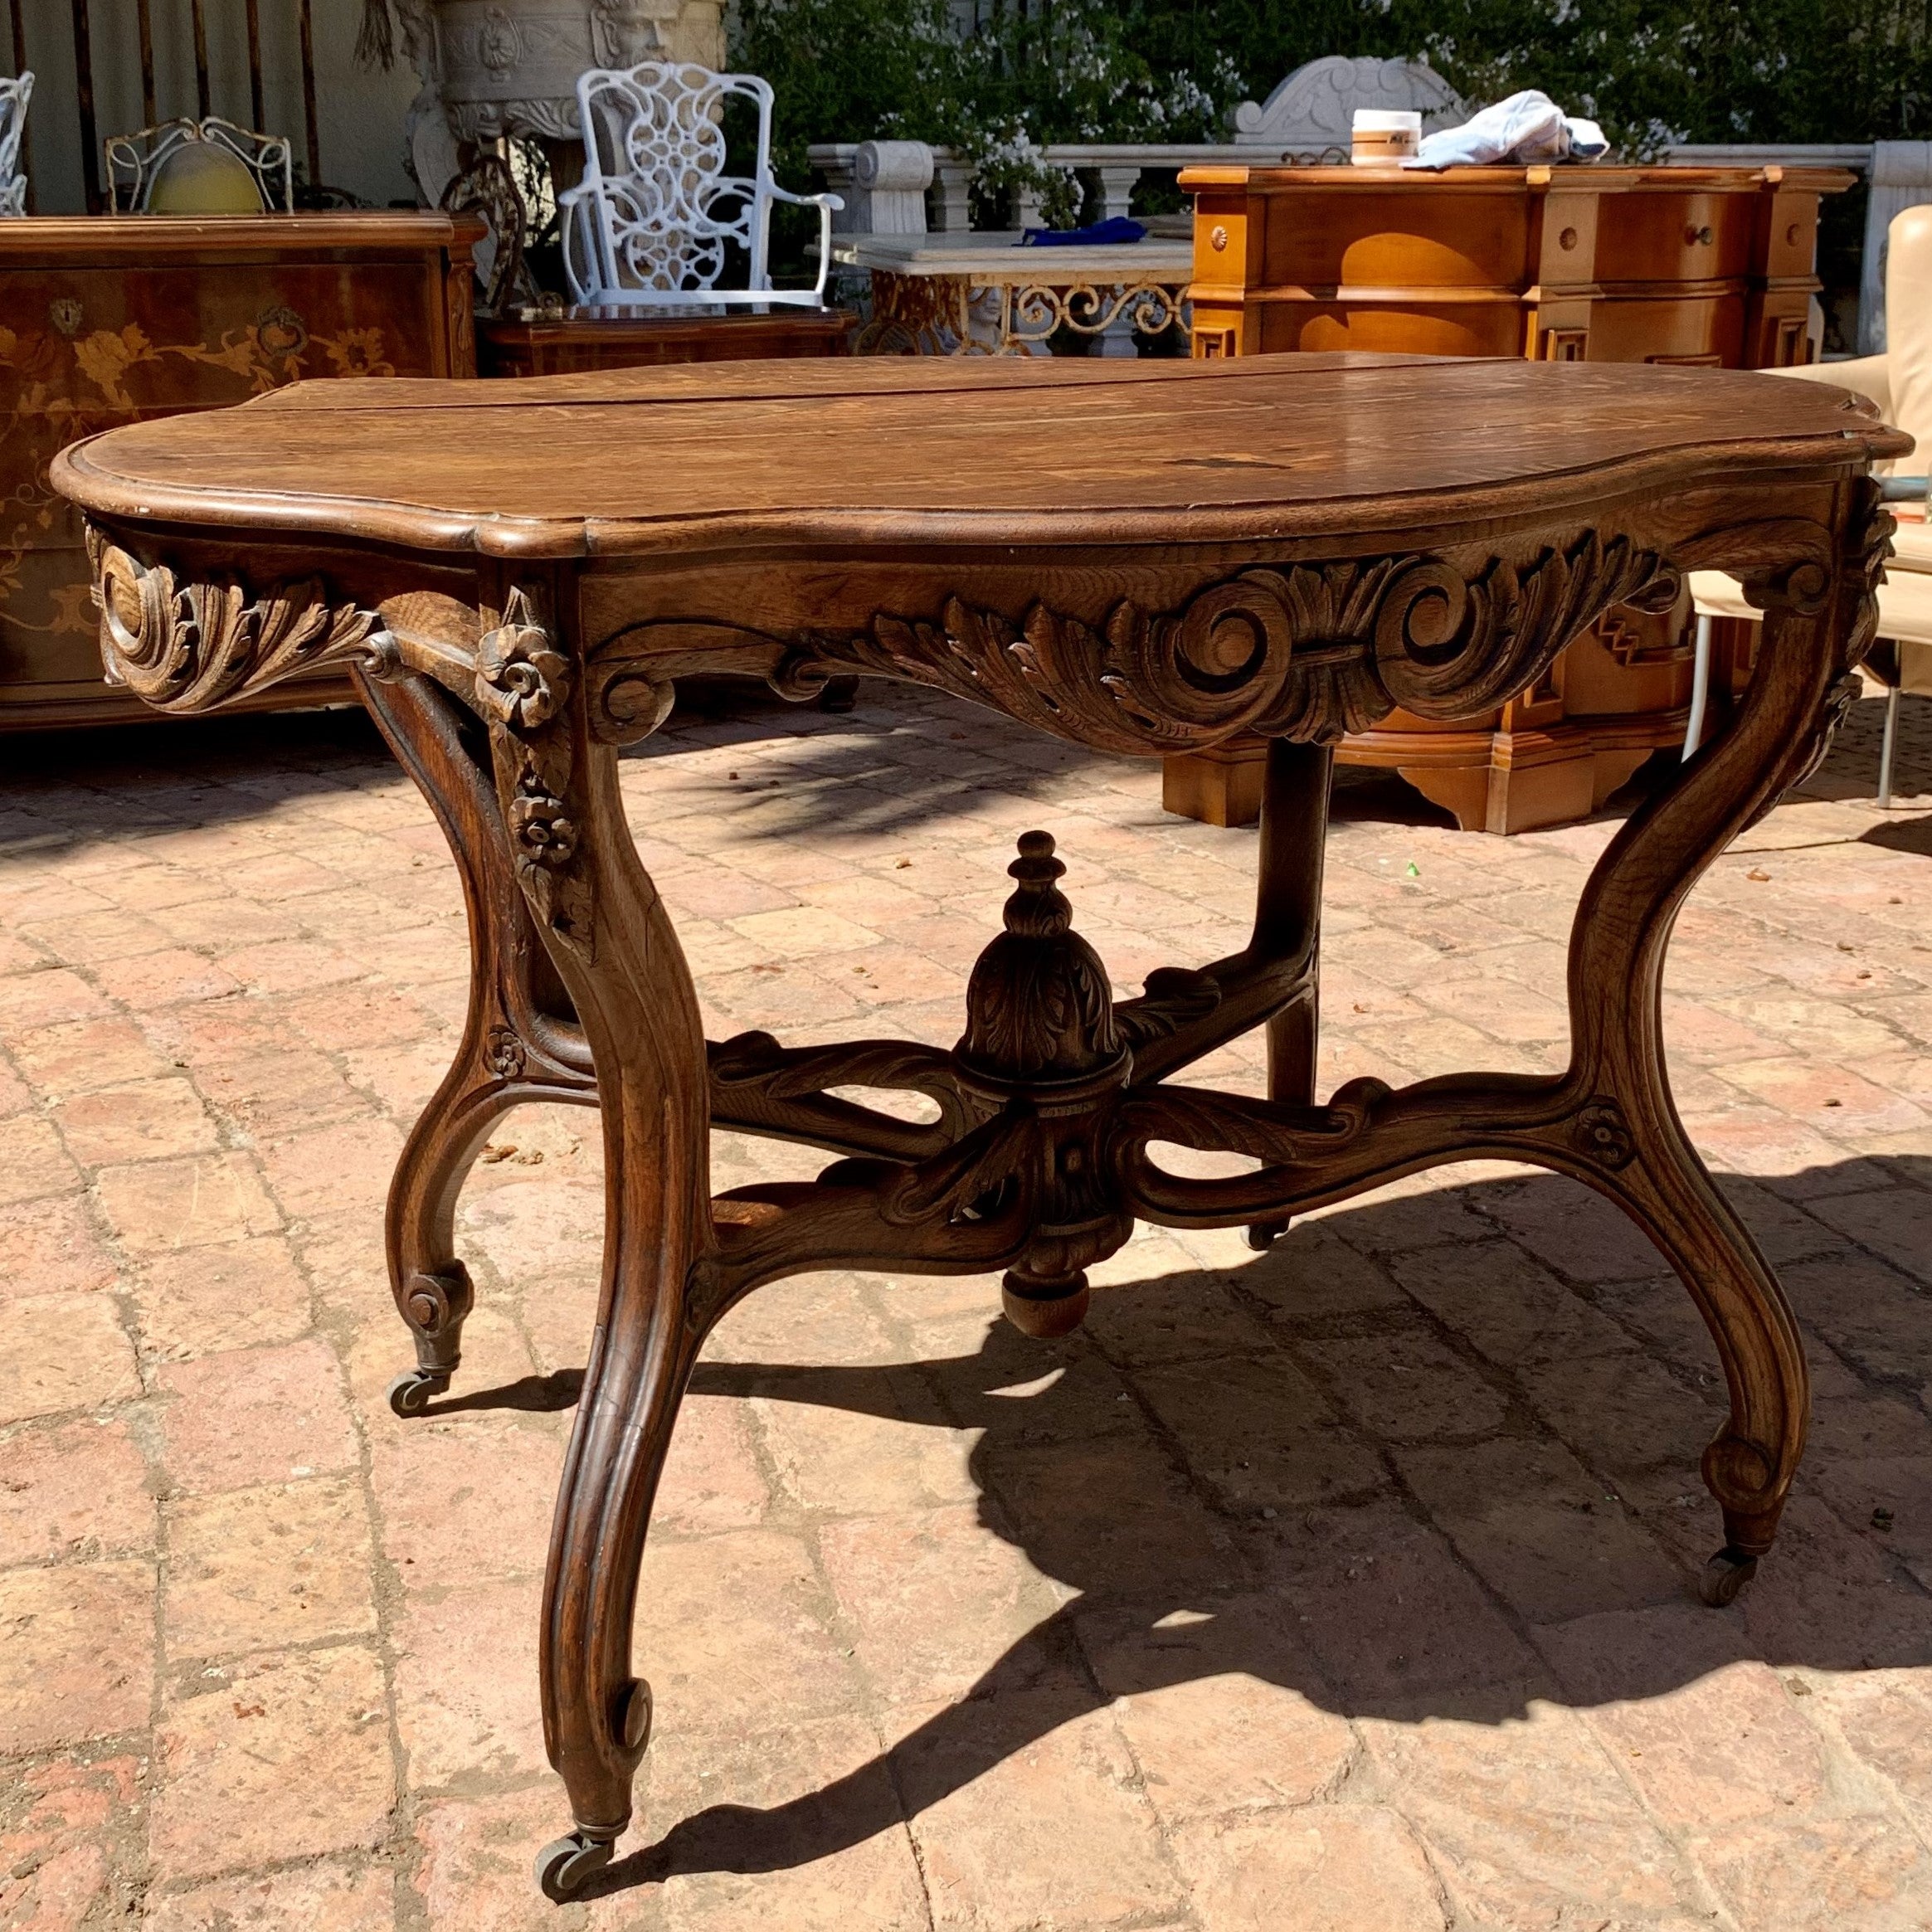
x: 1021, y: 451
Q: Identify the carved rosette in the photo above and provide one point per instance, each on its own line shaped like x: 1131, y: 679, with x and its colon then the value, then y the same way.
x: 523, y: 684
x: 1601, y: 1131
x: 523, y: 681
x: 185, y: 645
x: 1308, y: 652
x: 503, y: 1051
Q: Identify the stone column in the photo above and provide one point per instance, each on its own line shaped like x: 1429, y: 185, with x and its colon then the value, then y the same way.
x: 1112, y: 188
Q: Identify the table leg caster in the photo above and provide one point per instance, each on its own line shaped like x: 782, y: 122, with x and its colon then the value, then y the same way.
x: 1725, y: 1575
x: 1261, y: 1235
x: 565, y: 1863
x: 410, y: 1393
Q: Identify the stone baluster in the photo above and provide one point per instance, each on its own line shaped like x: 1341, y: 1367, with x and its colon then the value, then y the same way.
x: 1110, y: 190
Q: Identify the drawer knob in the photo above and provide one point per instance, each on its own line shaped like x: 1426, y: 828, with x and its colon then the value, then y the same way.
x: 1697, y: 237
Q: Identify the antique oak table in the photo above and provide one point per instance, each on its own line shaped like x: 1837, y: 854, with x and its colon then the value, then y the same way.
x: 1142, y: 558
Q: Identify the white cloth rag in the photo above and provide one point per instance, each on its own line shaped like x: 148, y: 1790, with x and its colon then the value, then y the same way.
x: 1529, y: 126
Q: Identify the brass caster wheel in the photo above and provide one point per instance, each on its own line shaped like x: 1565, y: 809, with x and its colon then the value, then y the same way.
x: 1725, y: 1575
x: 565, y: 1863
x: 1261, y: 1235
x: 410, y: 1393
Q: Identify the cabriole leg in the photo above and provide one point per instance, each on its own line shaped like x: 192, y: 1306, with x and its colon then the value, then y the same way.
x: 1817, y: 624
x: 507, y: 1054
x: 565, y: 839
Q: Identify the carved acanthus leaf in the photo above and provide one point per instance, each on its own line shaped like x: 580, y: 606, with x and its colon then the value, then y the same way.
x: 1175, y: 997
x: 1308, y: 652
x: 191, y: 645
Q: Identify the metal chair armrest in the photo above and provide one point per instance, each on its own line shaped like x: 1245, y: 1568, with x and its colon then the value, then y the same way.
x: 784, y: 194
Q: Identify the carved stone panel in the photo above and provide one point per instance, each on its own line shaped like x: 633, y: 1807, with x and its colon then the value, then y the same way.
x: 511, y: 67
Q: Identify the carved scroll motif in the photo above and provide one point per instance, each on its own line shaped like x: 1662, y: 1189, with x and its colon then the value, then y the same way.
x: 187, y: 646
x: 523, y: 689
x: 1804, y: 589
x: 1309, y: 652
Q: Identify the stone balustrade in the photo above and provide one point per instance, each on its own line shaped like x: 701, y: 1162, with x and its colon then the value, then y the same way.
x: 1108, y: 171
x: 900, y: 187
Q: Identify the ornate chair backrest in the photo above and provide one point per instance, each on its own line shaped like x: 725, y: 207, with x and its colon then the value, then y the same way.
x: 135, y: 162
x: 656, y: 209
x: 14, y: 95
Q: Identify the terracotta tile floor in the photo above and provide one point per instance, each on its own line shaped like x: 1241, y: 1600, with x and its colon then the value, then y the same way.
x: 1345, y: 1586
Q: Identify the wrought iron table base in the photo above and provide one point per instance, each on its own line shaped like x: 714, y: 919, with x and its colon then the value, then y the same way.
x: 960, y: 315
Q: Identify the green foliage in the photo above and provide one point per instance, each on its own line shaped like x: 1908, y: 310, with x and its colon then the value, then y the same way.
x: 1033, y: 71
x: 1660, y: 71
x: 1026, y: 76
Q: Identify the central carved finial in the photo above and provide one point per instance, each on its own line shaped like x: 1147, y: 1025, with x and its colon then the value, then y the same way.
x: 1039, y: 910
x: 1039, y: 1006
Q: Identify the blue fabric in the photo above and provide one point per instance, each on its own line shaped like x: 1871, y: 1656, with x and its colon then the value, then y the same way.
x: 1119, y: 229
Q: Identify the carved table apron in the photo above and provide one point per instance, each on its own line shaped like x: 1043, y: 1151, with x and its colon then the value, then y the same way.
x: 1143, y: 559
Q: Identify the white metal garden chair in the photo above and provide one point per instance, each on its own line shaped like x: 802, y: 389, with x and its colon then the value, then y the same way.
x: 654, y: 221
x: 14, y: 95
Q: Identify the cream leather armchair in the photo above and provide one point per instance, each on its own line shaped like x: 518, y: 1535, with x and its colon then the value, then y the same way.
x: 1899, y: 383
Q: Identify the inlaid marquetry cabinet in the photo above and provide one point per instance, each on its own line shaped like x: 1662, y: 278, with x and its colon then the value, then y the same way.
x: 110, y: 320
x: 1709, y: 267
